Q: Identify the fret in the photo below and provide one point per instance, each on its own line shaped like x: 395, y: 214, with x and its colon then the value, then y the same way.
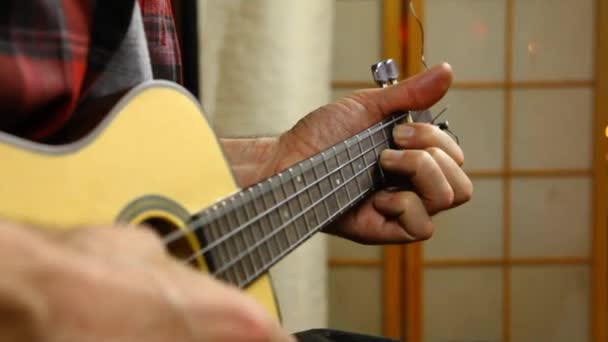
x: 233, y: 226
x: 300, y: 227
x: 251, y: 210
x: 317, y: 193
x: 376, y: 153
x: 366, y: 142
x: 239, y: 220
x: 289, y: 209
x: 350, y: 171
x: 341, y: 194
x: 312, y: 193
x: 277, y: 189
x: 249, y: 213
x: 228, y: 275
x: 275, y: 215
x: 222, y: 224
x: 369, y: 155
x: 298, y: 184
x: 225, y: 229
x: 360, y: 165
x: 331, y: 200
x: 383, y: 145
x: 283, y: 212
x: 238, y: 272
x: 364, y: 180
x: 273, y: 247
x: 257, y: 225
x: 378, y: 136
x: 220, y: 254
x: 231, y: 242
x: 265, y: 253
x: 319, y: 170
x: 288, y: 183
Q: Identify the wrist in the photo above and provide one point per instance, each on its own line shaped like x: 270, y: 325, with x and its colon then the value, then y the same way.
x: 252, y: 159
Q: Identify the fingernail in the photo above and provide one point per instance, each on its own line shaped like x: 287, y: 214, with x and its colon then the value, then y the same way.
x: 383, y: 197
x: 389, y: 157
x: 403, y: 132
x: 439, y: 73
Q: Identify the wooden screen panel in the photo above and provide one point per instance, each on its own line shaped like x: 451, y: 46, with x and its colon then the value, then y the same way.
x: 355, y: 300
x: 552, y: 128
x: 357, y: 38
x: 459, y: 236
x: 551, y: 217
x: 553, y: 40
x: 341, y: 249
x: 463, y: 304
x: 476, y: 116
x: 469, y: 34
x: 550, y: 303
x: 540, y: 171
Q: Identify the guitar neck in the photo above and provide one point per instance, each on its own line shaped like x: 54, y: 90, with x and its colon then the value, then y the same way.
x: 248, y: 232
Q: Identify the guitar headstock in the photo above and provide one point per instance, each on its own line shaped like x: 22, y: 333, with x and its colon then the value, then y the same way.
x: 385, y: 74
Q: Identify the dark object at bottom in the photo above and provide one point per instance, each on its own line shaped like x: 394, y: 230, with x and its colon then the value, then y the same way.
x: 327, y: 335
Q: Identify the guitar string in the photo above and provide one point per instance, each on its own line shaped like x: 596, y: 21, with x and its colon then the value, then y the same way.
x: 292, y: 219
x: 281, y: 203
x: 181, y: 233
x: 258, y: 272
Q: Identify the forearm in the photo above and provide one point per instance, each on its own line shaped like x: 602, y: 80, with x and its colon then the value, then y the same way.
x: 251, y: 159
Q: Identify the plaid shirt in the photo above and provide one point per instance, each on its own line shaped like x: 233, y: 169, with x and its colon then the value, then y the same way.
x: 52, y: 52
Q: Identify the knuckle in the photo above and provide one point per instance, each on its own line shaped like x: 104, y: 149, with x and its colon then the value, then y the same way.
x: 466, y: 193
x: 435, y: 152
x: 443, y: 199
x: 446, y: 198
x: 426, y: 230
x: 422, y: 159
x: 429, y: 129
x: 459, y: 157
x: 404, y: 199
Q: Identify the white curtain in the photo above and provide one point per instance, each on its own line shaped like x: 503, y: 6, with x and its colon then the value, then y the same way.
x: 264, y: 64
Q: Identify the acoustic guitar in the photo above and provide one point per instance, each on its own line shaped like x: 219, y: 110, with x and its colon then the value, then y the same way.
x: 142, y: 166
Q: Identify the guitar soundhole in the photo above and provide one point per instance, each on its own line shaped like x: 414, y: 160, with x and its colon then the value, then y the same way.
x: 181, y: 248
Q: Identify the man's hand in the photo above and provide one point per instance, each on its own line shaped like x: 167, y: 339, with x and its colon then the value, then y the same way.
x: 429, y: 158
x: 115, y: 284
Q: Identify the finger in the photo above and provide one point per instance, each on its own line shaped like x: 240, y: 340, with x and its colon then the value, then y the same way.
x: 110, y: 243
x: 421, y: 136
x: 418, y: 92
x: 459, y: 182
x: 409, y: 212
x: 236, y: 317
x: 427, y: 177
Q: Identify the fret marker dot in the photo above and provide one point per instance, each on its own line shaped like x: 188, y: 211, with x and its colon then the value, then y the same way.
x: 285, y: 214
x: 360, y: 166
x: 338, y: 181
x: 299, y: 179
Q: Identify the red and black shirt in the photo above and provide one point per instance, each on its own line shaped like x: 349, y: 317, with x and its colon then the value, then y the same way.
x: 54, y: 54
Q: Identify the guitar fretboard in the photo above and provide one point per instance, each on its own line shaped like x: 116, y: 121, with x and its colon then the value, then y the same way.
x: 248, y: 232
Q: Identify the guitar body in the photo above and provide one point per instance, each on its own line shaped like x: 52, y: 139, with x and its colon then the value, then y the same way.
x: 154, y: 159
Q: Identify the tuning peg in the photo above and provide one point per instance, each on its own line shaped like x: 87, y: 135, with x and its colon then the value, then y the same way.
x: 392, y: 70
x: 379, y: 73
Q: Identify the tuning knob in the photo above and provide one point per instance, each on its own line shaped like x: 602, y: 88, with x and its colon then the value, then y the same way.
x: 392, y: 71
x: 379, y: 73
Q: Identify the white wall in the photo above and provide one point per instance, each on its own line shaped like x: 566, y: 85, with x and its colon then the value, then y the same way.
x: 265, y: 63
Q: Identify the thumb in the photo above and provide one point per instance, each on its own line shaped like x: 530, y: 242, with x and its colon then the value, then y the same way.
x: 417, y: 92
